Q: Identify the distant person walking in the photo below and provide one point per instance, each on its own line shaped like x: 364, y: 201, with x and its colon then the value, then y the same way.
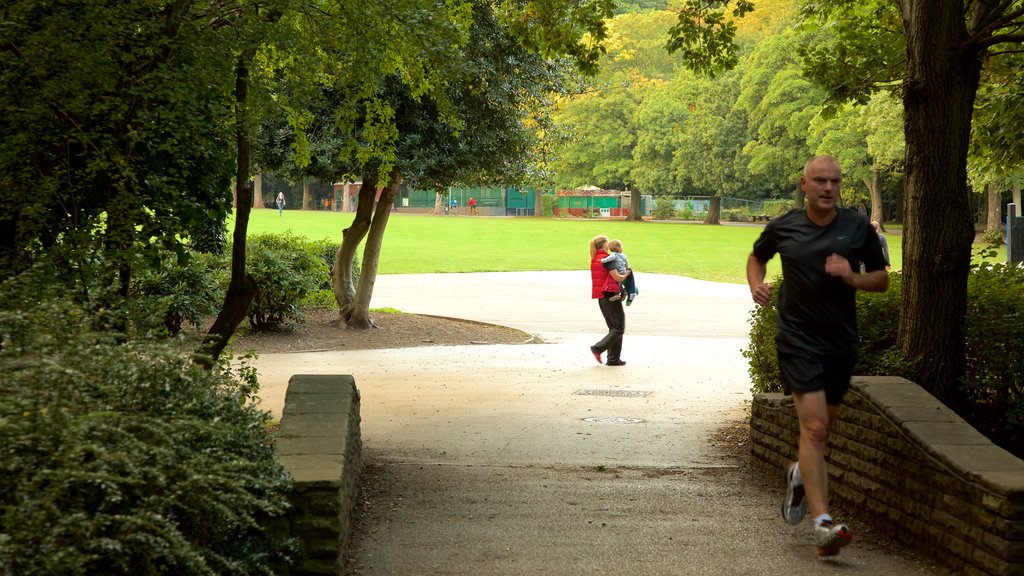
x: 605, y: 281
x: 821, y: 248
x: 280, y: 203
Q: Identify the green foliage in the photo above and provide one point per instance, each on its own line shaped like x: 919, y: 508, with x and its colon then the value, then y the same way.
x: 761, y: 352
x: 184, y: 289
x: 287, y: 269
x: 664, y: 208
x: 114, y: 124
x: 857, y: 46
x: 994, y: 238
x: 994, y: 382
x: 120, y: 456
x: 704, y: 35
x: 777, y: 207
x: 550, y: 203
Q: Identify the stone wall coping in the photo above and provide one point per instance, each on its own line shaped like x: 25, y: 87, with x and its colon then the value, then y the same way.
x: 944, y: 436
x: 319, y: 445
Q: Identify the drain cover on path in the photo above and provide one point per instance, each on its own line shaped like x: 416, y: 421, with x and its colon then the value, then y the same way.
x: 616, y: 393
x: 612, y: 420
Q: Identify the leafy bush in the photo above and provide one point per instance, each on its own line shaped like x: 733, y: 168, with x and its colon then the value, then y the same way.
x: 184, y: 289
x: 286, y: 269
x: 120, y: 457
x: 994, y: 238
x: 994, y: 380
x: 777, y: 207
x: 761, y: 352
x: 995, y: 357
x: 664, y: 208
x: 550, y: 203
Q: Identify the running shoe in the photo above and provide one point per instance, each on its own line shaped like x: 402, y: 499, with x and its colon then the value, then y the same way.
x: 831, y: 537
x: 794, y: 507
x: 597, y: 354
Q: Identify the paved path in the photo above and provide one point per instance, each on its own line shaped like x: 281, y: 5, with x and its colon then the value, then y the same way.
x: 489, y: 459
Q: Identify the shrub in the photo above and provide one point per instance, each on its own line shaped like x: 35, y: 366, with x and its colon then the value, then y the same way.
x: 994, y: 381
x: 184, y: 289
x: 550, y: 203
x: 664, y: 208
x: 994, y: 238
x: 777, y: 207
x: 120, y: 457
x: 286, y: 269
x: 760, y: 351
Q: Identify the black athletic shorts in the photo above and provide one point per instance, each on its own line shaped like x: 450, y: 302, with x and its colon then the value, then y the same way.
x: 810, y: 373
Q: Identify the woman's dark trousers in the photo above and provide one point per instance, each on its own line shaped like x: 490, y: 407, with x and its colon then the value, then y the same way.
x: 615, y: 318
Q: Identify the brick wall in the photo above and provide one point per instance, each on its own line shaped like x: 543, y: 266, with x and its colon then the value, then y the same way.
x: 926, y: 476
x: 319, y: 445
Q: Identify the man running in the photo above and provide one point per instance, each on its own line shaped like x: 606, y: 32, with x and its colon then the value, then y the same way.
x: 822, y: 249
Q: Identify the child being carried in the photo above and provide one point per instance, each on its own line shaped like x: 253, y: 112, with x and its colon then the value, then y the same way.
x: 627, y: 288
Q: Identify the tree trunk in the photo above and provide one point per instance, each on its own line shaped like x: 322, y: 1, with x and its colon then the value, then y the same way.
x: 359, y: 316
x: 307, y: 200
x: 877, y: 211
x: 242, y: 288
x: 1016, y: 195
x: 938, y: 98
x: 341, y: 282
x: 634, y: 206
x: 257, y: 192
x: 798, y: 197
x: 538, y: 202
x: 437, y: 203
x: 993, y: 222
x: 714, y: 211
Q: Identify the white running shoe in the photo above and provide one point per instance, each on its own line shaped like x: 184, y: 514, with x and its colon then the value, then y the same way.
x: 794, y: 507
x: 831, y: 537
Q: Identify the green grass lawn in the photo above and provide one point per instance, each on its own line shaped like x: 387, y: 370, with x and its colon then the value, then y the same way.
x: 415, y: 243
x: 419, y: 243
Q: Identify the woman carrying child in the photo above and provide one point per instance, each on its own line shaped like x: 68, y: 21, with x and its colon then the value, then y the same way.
x: 605, y: 281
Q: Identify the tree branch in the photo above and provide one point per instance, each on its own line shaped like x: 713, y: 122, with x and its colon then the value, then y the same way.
x: 1001, y: 39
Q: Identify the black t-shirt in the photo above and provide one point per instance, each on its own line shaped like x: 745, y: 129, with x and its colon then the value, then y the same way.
x: 817, y: 312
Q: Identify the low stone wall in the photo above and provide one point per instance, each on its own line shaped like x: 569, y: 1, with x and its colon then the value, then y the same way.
x: 319, y: 445
x: 926, y: 476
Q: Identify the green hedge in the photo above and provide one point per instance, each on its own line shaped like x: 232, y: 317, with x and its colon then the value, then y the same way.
x: 119, y: 456
x: 994, y: 381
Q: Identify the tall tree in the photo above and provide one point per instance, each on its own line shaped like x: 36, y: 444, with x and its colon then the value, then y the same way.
x: 113, y: 118
x: 941, y: 48
x: 867, y: 140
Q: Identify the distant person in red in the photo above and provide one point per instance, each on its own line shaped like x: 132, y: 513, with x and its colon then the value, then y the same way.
x: 605, y: 286
x: 472, y: 205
